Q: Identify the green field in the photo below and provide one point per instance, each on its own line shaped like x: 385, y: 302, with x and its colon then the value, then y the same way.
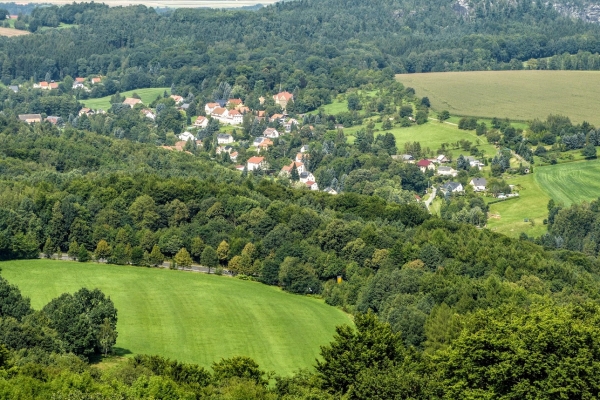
x: 192, y: 317
x: 570, y: 183
x: 432, y: 135
x: 519, y: 95
x: 147, y: 95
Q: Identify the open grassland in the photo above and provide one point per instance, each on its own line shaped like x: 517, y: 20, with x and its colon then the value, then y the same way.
x: 189, y: 316
x: 570, y: 183
x: 147, y: 95
x: 10, y: 32
x: 508, y: 217
x: 432, y: 135
x: 520, y: 95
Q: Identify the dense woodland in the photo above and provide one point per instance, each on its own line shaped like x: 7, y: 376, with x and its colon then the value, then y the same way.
x: 443, y: 308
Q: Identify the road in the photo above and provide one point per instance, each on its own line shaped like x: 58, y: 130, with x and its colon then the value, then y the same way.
x: 430, y: 199
x: 166, y: 264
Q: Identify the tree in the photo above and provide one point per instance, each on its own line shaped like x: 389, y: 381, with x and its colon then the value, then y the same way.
x: 223, y: 252
x: 353, y: 102
x: 48, y: 249
x: 239, y: 367
x: 183, y: 258
x: 209, y: 258
x: 294, y: 176
x: 589, y: 151
x: 462, y: 163
x: 73, y: 250
x: 443, y: 115
x: 156, y: 257
x: 103, y: 250
x: 197, y: 248
x: 137, y: 255
x: 107, y: 337
x: 83, y: 255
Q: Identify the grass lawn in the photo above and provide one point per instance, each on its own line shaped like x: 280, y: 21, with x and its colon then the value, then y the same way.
x: 570, y: 183
x: 147, y: 95
x: 531, y: 204
x: 192, y: 317
x: 518, y: 95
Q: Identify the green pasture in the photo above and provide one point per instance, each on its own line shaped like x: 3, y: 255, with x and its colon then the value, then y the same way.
x: 518, y: 95
x: 147, y: 95
x: 192, y: 317
x: 570, y: 183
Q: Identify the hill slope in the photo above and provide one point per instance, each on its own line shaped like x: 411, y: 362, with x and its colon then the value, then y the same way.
x: 192, y: 317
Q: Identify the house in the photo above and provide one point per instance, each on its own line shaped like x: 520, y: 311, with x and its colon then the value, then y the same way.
x: 42, y: 85
x: 132, y: 102
x: 231, y: 117
x: 185, y: 136
x: 80, y: 80
x: 177, y: 99
x: 306, y: 176
x: 312, y: 185
x: 264, y: 145
x: 452, y: 187
x: 224, y: 138
x: 86, y: 111
x: 14, y: 88
x: 201, y: 122
x: 235, y: 116
x: 183, y: 107
x: 234, y: 155
x: 287, y: 169
x: 234, y: 103
x: 96, y: 80
x: 30, y: 118
x: 210, y: 107
x: 149, y: 114
x: 478, y: 184
x: 282, y: 99
x: 330, y: 190
x: 255, y: 163
x: 442, y: 159
x: 258, y: 141
x: 261, y: 100
x: 78, y: 85
x: 240, y: 167
x: 277, y: 117
x: 425, y: 165
x: 53, y: 119
x: 243, y: 109
x: 406, y: 158
x: 447, y: 171
x: 474, y: 163
x: 300, y: 157
x: 304, y: 149
x: 271, y: 133
x: 53, y: 86
x: 289, y: 124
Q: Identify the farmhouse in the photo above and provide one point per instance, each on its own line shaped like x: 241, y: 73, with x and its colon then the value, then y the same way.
x: 447, y: 171
x: 478, y: 184
x: 30, y: 118
x: 452, y: 187
x: 425, y: 165
x: 282, y: 99
x: 224, y: 138
x: 132, y: 102
x: 201, y: 122
x: 255, y: 163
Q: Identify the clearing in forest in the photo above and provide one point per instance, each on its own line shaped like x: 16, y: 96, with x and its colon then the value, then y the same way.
x: 518, y: 95
x: 192, y: 317
x: 147, y: 96
x: 10, y: 32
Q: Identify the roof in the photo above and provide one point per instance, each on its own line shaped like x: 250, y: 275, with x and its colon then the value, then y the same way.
x: 479, y: 181
x: 54, y: 85
x: 81, y: 80
x: 237, y: 102
x: 310, y: 183
x: 130, y: 101
x: 445, y: 169
x: 212, y: 105
x: 43, y: 84
x: 25, y: 117
x: 284, y: 96
x: 219, y: 111
x: 424, y: 163
x: 451, y: 185
x: 256, y: 160
x: 233, y: 113
x: 96, y: 80
x: 224, y: 136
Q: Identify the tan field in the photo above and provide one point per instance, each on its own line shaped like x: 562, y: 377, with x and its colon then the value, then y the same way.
x: 12, y: 32
x: 173, y: 3
x: 518, y: 95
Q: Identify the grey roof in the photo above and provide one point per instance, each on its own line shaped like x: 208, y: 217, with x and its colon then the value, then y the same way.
x: 407, y: 157
x: 185, y: 106
x: 304, y: 175
x: 479, y: 181
x: 451, y: 186
x: 25, y: 117
x: 445, y: 169
x: 224, y: 136
x: 14, y: 88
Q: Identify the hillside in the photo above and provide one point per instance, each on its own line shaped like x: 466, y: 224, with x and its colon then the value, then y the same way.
x: 518, y: 95
x: 192, y: 317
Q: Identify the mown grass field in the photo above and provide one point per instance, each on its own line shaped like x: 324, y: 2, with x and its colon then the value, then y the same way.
x: 432, y: 135
x: 192, y: 317
x: 519, y: 95
x: 147, y: 95
x: 11, y: 32
x: 570, y: 183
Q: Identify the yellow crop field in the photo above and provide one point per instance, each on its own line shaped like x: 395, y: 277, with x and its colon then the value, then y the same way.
x: 518, y: 95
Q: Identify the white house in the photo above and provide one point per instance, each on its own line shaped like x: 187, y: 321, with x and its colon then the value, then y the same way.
x: 210, y: 107
x: 452, y: 187
x: 149, y: 114
x: 255, y: 163
x: 271, y: 133
x: 442, y: 159
x: 312, y: 185
x: 304, y: 149
x: 289, y: 124
x: 478, y: 184
x: 306, y: 176
x: 177, y: 99
x: 224, y: 138
x: 201, y: 122
x: 447, y: 171
x: 185, y: 136
x: 330, y: 190
x: 473, y: 162
x: 425, y: 165
x: 132, y: 102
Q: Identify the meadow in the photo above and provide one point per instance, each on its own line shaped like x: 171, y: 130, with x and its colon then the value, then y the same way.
x: 570, y: 183
x: 10, y: 32
x: 192, y: 317
x: 518, y: 95
x: 147, y: 96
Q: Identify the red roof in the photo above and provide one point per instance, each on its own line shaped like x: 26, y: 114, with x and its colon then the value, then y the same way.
x: 80, y: 80
x: 424, y: 163
x: 309, y: 183
x: 236, y: 102
x: 256, y: 160
x: 284, y: 96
